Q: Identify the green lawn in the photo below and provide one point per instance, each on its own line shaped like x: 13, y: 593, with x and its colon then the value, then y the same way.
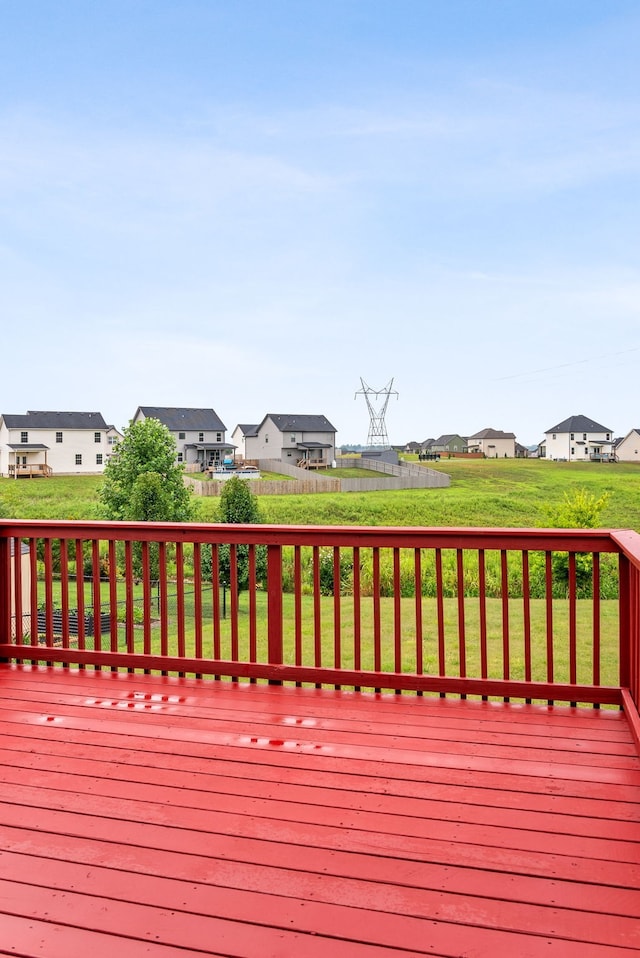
x: 483, y: 492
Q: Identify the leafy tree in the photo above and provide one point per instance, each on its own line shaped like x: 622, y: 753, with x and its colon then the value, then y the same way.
x: 142, y: 479
x: 237, y: 505
x: 143, y: 482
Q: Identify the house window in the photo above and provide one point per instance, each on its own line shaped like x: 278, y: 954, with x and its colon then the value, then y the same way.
x: 24, y: 437
x: 218, y: 437
x: 608, y: 436
x: 78, y: 459
x: 573, y: 452
x: 112, y: 440
x: 98, y: 459
x: 180, y: 435
x: 58, y: 437
x: 584, y: 435
x: 572, y: 437
x: 554, y: 436
x: 293, y: 437
x: 97, y: 437
x: 179, y: 457
x: 200, y: 437
x: 266, y: 438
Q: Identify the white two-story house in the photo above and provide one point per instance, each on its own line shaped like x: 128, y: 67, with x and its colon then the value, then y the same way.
x: 578, y: 438
x: 41, y: 443
x: 307, y: 441
x: 199, y: 434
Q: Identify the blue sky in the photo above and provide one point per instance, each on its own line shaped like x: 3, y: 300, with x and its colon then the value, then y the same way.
x: 251, y: 204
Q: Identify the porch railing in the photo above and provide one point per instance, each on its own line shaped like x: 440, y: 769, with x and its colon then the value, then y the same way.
x: 545, y: 615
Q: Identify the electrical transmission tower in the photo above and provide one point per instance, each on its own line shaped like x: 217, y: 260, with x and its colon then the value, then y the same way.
x: 377, y: 426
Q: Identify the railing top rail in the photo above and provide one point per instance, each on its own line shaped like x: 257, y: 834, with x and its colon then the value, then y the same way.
x: 569, y: 540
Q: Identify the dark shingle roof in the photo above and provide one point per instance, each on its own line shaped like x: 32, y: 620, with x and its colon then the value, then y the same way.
x: 578, y: 424
x: 493, y: 434
x: 50, y: 419
x: 180, y: 418
x: 248, y: 428
x: 294, y: 423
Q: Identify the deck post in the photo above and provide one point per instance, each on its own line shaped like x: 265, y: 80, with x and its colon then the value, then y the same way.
x: 274, y: 606
x: 625, y: 623
x: 5, y: 591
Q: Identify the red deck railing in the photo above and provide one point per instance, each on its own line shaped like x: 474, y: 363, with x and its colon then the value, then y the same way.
x: 551, y: 615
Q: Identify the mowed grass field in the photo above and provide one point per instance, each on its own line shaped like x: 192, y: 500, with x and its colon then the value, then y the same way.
x: 483, y: 492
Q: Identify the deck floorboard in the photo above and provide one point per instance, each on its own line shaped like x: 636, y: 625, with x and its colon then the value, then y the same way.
x: 166, y: 817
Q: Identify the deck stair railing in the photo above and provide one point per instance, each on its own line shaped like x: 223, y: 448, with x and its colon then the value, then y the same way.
x: 543, y: 615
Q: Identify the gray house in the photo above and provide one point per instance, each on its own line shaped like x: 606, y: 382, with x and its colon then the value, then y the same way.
x: 200, y: 434
x: 307, y: 441
x: 449, y: 442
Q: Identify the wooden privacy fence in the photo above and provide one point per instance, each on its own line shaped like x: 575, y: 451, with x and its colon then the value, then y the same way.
x: 530, y: 614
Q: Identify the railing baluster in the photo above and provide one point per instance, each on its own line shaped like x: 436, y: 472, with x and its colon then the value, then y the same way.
x: 462, y: 636
x: 549, y: 616
x: 113, y: 597
x: 337, y: 618
x: 145, y: 560
x: 253, y: 634
x: 80, y: 601
x: 197, y: 600
x: 180, y: 625
x: 397, y: 612
x: 64, y: 592
x: 506, y: 638
x: 573, y: 629
x: 95, y: 595
x: 317, y: 605
x: 417, y: 579
x: 595, y: 580
x: 442, y: 657
x: 357, y: 611
x: 482, y: 601
x: 377, y: 626
x: 297, y: 598
x: 129, y: 598
x: 526, y: 616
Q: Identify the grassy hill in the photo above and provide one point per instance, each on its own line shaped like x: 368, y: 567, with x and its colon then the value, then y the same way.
x: 483, y: 492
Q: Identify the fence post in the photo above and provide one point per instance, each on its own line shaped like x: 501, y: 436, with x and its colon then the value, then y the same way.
x: 274, y: 606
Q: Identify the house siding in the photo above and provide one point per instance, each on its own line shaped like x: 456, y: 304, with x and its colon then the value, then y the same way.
x: 77, y: 454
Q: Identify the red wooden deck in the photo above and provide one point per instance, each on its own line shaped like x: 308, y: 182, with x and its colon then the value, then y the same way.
x: 152, y: 816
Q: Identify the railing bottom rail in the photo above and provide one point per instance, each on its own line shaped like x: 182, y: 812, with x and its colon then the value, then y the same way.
x: 343, y: 678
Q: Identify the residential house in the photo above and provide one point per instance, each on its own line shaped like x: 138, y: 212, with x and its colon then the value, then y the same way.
x: 578, y: 438
x: 449, y: 442
x: 40, y: 443
x: 199, y: 434
x: 239, y: 437
x: 493, y: 443
x: 308, y: 441
x: 628, y: 448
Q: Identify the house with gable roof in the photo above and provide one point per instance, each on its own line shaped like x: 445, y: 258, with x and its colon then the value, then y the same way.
x: 448, y: 442
x: 199, y: 434
x: 239, y: 437
x: 578, y: 438
x: 627, y: 448
x: 493, y: 443
x: 307, y: 441
x: 44, y: 442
